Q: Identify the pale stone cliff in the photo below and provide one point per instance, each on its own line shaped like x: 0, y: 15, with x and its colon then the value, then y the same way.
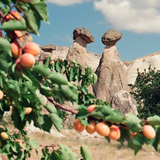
x: 60, y: 52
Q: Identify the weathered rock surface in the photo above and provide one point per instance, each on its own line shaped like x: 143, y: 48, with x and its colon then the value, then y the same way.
x: 26, y: 38
x: 111, y: 37
x: 111, y: 75
x: 78, y: 51
x: 122, y: 102
x: 141, y: 64
x: 84, y: 34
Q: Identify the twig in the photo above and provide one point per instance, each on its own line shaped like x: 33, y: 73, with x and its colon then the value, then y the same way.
x: 1, y: 14
x: 60, y: 106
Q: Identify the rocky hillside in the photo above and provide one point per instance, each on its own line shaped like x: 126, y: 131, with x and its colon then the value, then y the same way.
x: 59, y: 52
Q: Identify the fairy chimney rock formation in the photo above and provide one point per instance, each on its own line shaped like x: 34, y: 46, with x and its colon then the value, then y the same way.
x: 111, y: 72
x: 77, y: 51
x: 111, y: 37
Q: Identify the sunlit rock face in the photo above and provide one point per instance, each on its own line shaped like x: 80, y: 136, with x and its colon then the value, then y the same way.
x: 110, y: 71
x: 142, y: 63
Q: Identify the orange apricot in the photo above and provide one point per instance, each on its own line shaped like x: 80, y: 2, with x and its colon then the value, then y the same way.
x: 148, y: 131
x: 91, y: 108
x: 91, y: 128
x: 1, y: 94
x: 14, y: 15
x: 27, y: 60
x: 28, y: 110
x: 4, y: 136
x: 115, y: 132
x: 78, y: 126
x: 16, y: 50
x: 102, y: 129
x: 32, y: 48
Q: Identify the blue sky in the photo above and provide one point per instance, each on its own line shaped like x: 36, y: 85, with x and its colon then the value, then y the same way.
x: 138, y: 21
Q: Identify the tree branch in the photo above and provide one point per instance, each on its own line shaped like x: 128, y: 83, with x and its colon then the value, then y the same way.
x: 1, y: 14
x: 60, y: 106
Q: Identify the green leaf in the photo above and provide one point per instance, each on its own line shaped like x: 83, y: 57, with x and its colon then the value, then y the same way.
x: 65, y: 153
x: 58, y: 78
x: 42, y: 70
x: 13, y: 25
x: 5, y: 55
x: 139, y: 139
x: 94, y: 78
x: 57, y: 121
x: 33, y: 143
x: 18, y: 123
x: 155, y: 120
x: 125, y: 135
x: 32, y: 19
x: 82, y: 113
x: 51, y: 108
x: 46, y: 90
x: 86, y: 154
x: 136, y: 148
x: 133, y: 122
x: 43, y: 122
x: 22, y: 145
x: 20, y: 155
x: 115, y: 117
x: 41, y: 9
x: 102, y: 112
x: 155, y: 141
x: 69, y: 92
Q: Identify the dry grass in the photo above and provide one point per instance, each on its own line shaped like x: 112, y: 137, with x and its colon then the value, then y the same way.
x: 101, y: 149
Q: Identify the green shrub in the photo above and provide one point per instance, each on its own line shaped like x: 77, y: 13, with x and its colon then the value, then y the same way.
x: 146, y: 92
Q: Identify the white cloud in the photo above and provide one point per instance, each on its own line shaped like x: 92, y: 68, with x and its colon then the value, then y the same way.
x: 140, y: 16
x: 67, y: 2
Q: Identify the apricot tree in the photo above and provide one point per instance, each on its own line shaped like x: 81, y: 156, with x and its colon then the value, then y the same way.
x: 23, y: 81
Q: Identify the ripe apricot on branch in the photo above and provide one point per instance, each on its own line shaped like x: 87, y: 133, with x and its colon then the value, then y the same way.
x: 102, y: 129
x: 148, y: 131
x: 4, y: 136
x: 14, y: 15
x: 27, y: 60
x: 28, y: 110
x: 1, y: 94
x: 91, y: 128
x: 78, y: 126
x: 91, y: 108
x: 115, y: 132
x: 32, y: 48
x: 16, y: 50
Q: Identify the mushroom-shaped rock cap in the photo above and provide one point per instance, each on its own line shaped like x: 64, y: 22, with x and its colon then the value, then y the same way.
x: 84, y: 34
x: 111, y: 37
x: 48, y: 48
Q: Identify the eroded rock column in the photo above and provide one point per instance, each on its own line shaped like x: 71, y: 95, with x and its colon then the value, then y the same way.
x: 78, y: 50
x: 111, y: 72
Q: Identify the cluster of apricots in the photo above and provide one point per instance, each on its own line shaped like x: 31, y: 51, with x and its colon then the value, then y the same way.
x: 113, y: 131
x: 25, y: 57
